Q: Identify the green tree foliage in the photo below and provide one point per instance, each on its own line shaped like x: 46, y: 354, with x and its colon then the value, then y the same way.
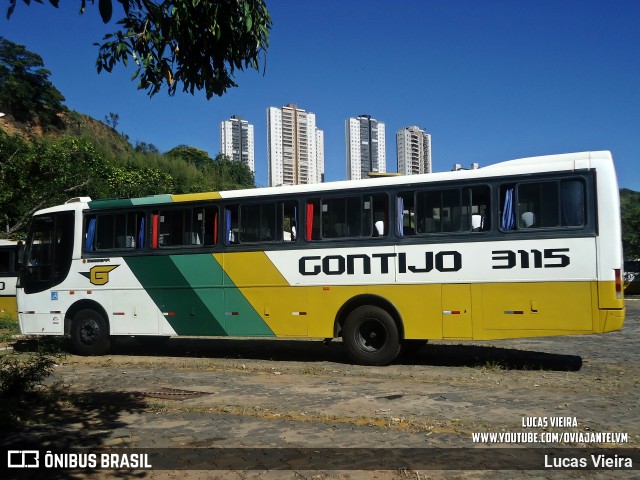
x: 198, y: 44
x: 221, y: 173
x: 194, y: 156
x: 145, y: 147
x: 229, y: 174
x: 25, y: 89
x: 44, y: 173
x: 630, y: 213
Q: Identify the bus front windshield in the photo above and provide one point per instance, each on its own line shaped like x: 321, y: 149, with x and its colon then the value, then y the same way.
x: 48, y: 251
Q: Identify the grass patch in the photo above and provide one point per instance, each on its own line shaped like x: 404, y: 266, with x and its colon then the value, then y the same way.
x: 22, y: 377
x: 8, y: 328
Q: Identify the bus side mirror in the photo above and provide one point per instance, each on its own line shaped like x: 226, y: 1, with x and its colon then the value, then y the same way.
x: 20, y: 253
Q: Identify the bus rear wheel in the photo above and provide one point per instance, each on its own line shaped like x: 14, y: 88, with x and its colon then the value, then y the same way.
x: 89, y: 333
x: 371, y: 336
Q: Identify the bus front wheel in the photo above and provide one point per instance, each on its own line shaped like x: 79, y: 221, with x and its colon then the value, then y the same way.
x: 89, y: 333
x: 371, y: 336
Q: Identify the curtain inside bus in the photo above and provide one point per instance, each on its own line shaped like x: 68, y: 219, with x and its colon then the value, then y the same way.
x: 141, y: 234
x: 508, y: 221
x: 154, y: 230
x: 400, y: 215
x: 227, y: 226
x: 91, y: 233
x: 309, y: 231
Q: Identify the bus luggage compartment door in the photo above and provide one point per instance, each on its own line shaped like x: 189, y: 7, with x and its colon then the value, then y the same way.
x: 456, y: 311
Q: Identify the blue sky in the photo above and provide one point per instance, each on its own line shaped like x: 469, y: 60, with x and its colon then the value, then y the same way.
x: 491, y: 80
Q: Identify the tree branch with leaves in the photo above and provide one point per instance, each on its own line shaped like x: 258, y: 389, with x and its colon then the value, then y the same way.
x: 195, y: 44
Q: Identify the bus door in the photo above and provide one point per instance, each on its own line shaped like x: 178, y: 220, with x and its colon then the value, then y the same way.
x: 47, y: 260
x: 456, y: 311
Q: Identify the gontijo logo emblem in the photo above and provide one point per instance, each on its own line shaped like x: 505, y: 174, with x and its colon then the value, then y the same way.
x: 99, y: 275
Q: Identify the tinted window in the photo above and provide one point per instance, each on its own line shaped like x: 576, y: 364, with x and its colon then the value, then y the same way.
x: 448, y: 210
x: 547, y: 204
x: 347, y: 217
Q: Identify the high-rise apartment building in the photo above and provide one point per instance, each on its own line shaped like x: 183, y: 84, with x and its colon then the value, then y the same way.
x: 365, y: 139
x: 295, y: 147
x: 414, y: 151
x: 236, y: 141
x: 320, y: 154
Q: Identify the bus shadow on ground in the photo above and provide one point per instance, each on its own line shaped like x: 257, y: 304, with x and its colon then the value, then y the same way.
x: 279, y: 350
x: 492, y: 357
x: 475, y: 356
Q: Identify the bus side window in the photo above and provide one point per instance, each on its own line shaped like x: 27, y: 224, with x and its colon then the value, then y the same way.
x: 200, y: 228
x: 358, y: 217
x: 380, y: 215
x: 334, y: 218
x: 257, y: 222
x: 173, y: 228
x: 476, y: 215
x: 289, y: 221
x: 5, y: 261
x: 405, y: 214
x: 114, y: 230
x: 538, y: 205
x: 430, y: 215
x: 195, y: 234
x: 572, y: 203
x: 549, y: 204
x: 209, y: 225
x: 347, y: 217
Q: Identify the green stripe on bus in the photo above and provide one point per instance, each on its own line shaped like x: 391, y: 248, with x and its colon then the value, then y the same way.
x: 206, y: 276
x: 109, y: 203
x: 152, y: 200
x: 171, y: 292
x: 128, y: 202
x: 196, y: 296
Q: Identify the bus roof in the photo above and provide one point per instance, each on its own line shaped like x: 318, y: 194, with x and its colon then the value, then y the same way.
x: 531, y: 165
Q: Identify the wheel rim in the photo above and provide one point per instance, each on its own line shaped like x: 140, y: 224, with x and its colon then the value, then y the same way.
x: 89, y: 331
x: 371, y: 336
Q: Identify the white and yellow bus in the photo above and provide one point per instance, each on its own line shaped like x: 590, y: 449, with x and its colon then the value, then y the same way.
x: 523, y: 248
x: 8, y: 277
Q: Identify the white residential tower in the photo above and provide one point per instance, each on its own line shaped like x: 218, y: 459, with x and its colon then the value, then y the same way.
x: 236, y: 141
x: 365, y: 140
x: 295, y: 147
x: 414, y: 151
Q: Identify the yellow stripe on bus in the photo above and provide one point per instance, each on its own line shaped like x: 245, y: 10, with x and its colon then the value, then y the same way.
x: 483, y: 311
x: 192, y: 197
x: 8, y: 307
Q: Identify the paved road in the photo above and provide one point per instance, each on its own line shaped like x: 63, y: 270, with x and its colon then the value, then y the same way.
x: 300, y: 395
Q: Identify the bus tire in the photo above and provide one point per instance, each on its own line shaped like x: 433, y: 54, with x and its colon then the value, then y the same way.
x: 89, y: 333
x: 371, y: 336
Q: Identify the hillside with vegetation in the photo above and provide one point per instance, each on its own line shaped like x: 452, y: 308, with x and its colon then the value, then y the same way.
x: 49, y: 153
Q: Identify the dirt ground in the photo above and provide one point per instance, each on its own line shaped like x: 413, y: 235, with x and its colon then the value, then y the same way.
x: 256, y: 395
